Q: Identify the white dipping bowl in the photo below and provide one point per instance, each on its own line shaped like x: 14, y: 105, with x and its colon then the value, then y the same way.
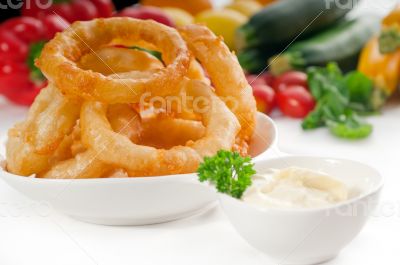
x: 132, y: 201
x: 308, y: 236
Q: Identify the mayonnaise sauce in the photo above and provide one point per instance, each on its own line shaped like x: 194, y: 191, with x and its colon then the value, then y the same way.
x: 295, y: 188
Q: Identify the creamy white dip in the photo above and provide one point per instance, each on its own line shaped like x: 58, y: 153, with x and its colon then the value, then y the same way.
x: 295, y: 188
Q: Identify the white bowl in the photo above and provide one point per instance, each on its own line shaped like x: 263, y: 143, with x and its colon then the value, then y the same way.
x: 308, y: 236
x: 132, y: 201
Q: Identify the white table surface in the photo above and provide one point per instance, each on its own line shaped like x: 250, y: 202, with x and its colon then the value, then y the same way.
x: 34, y: 234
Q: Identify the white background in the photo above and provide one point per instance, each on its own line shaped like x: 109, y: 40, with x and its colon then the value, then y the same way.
x: 32, y: 233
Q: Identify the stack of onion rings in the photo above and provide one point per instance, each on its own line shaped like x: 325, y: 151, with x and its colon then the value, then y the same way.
x: 92, y: 120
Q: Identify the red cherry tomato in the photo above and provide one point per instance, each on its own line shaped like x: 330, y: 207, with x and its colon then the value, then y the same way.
x: 265, y: 98
x: 268, y: 78
x: 255, y: 80
x: 292, y: 78
x: 295, y: 101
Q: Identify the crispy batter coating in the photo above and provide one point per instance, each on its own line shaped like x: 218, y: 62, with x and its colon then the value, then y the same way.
x: 91, y: 122
x: 138, y: 160
x: 226, y: 75
x: 59, y: 59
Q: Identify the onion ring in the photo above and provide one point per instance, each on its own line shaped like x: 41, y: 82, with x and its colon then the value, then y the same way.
x: 180, y: 132
x: 125, y: 121
x: 112, y: 60
x: 83, y: 165
x: 226, y: 75
x: 22, y: 159
x: 93, y: 131
x: 51, y: 117
x: 138, y: 160
x: 58, y: 60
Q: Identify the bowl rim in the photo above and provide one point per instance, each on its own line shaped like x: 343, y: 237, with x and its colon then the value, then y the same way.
x: 175, y: 177
x: 376, y: 189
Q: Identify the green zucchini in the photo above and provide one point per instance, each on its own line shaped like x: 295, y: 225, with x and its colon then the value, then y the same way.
x: 341, y: 43
x: 254, y: 60
x: 282, y: 22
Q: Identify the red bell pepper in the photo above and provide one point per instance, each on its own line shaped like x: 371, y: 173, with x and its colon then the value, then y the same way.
x: 70, y: 10
x: 21, y: 41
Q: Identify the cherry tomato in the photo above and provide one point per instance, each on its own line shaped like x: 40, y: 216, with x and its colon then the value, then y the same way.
x: 295, y: 101
x: 292, y: 78
x: 268, y: 78
x: 265, y: 98
x: 255, y: 80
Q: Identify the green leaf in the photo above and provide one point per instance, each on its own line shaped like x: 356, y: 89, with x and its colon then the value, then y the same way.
x: 360, y: 89
x: 156, y: 54
x: 315, y: 119
x: 228, y: 171
x: 339, y: 98
x: 350, y: 129
x: 34, y: 52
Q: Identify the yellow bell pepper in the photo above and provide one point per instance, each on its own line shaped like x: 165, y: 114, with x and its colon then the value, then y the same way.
x: 223, y: 23
x: 389, y: 40
x: 383, y: 69
x: 179, y: 16
x: 246, y: 7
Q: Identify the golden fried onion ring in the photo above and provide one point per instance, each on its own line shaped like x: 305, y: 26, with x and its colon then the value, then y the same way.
x: 58, y: 60
x: 36, y: 143
x: 40, y: 141
x: 51, y: 117
x: 104, y: 134
x: 138, y: 160
x: 226, y: 75
x: 114, y: 60
x: 126, y: 122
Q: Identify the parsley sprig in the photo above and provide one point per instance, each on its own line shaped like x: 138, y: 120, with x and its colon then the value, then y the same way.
x: 228, y: 171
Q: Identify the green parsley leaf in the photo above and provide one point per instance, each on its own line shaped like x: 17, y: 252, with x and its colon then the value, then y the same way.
x: 228, y: 171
